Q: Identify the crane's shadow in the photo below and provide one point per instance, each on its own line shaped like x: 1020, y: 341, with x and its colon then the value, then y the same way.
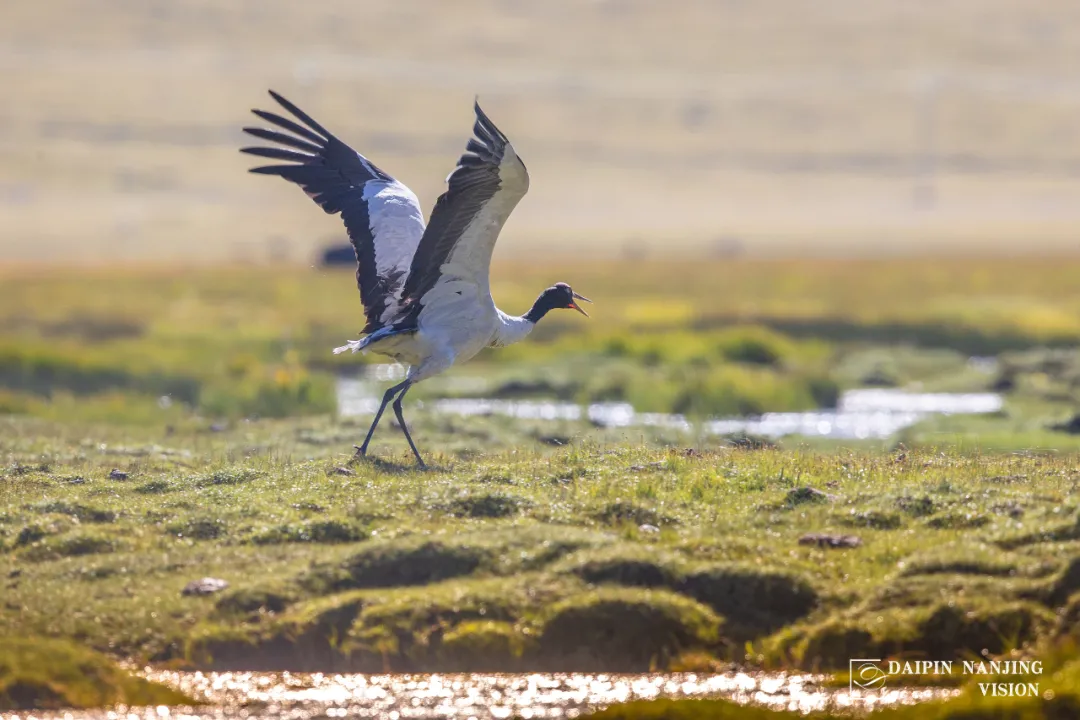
x: 390, y: 466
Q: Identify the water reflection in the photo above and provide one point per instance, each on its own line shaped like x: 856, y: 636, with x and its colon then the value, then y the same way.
x: 859, y: 415
x: 302, y: 696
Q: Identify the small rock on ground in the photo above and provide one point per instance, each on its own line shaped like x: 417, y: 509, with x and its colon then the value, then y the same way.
x: 750, y: 442
x: 827, y: 540
x: 799, y: 495
x: 204, y: 586
x: 115, y: 474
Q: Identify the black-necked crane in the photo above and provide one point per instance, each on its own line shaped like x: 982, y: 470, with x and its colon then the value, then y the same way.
x: 425, y: 290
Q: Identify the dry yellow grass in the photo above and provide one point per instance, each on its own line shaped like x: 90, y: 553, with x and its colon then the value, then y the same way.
x: 1032, y: 300
x: 787, y: 125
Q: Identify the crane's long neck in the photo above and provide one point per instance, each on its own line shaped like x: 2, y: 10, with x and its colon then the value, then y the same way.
x: 512, y: 329
x: 539, y: 309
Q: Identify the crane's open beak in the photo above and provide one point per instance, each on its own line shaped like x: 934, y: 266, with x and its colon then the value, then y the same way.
x: 578, y: 307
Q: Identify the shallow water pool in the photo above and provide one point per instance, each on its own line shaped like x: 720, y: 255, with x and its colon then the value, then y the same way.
x: 860, y: 414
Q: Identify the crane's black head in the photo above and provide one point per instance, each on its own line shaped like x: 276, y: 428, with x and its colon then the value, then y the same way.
x: 557, y: 297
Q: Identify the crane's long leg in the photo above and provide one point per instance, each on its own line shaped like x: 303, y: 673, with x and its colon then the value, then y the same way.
x: 404, y: 427
x: 361, y: 450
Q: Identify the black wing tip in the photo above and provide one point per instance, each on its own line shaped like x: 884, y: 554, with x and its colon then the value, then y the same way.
x: 250, y: 150
x: 278, y: 98
x: 295, y: 111
x: 485, y: 122
x: 480, y: 114
x: 261, y: 150
x: 288, y: 105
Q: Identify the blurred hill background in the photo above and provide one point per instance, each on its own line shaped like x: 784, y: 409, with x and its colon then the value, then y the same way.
x: 650, y: 129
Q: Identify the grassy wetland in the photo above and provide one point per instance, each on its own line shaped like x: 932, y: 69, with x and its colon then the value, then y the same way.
x: 162, y: 427
x: 772, y: 466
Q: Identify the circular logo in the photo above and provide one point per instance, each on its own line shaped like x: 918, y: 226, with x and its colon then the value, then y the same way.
x: 868, y: 676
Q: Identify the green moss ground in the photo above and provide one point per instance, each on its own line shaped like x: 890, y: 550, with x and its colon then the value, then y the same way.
x: 527, y: 559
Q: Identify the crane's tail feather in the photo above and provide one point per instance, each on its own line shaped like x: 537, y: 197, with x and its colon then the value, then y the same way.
x: 353, y: 345
x: 362, y: 345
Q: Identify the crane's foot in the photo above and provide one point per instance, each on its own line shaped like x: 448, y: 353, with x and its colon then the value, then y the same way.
x: 360, y: 454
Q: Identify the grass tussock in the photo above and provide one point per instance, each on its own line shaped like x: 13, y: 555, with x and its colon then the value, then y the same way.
x: 755, y: 601
x: 41, y: 673
x: 414, y: 561
x: 67, y: 546
x: 313, y: 531
x: 487, y: 505
x: 483, y: 646
x: 633, y: 566
x: 947, y: 631
x: 589, y: 632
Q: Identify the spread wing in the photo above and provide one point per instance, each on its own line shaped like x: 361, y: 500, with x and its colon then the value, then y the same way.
x: 483, y: 189
x: 382, y: 216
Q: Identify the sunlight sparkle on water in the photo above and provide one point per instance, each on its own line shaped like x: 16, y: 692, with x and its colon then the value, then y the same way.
x: 308, y: 696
